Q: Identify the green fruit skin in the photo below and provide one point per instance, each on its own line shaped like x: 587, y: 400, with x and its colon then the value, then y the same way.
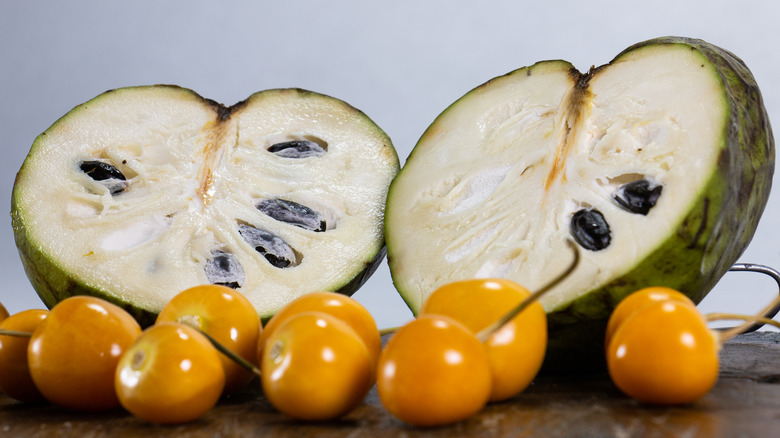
x: 52, y: 282
x: 709, y: 239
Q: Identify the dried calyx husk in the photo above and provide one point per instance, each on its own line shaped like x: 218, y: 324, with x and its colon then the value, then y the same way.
x: 145, y: 191
x: 658, y: 164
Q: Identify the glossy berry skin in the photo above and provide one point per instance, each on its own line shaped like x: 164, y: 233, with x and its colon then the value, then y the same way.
x: 664, y: 354
x: 517, y: 350
x: 636, y: 301
x: 338, y: 305
x: 15, y: 379
x: 434, y: 371
x: 171, y: 374
x: 315, y: 367
x: 225, y: 315
x: 74, y: 352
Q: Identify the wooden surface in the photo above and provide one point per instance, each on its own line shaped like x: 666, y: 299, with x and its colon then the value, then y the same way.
x: 744, y: 403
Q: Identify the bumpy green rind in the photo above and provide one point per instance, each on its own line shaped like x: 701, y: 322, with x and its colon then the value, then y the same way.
x: 709, y: 239
x: 53, y: 283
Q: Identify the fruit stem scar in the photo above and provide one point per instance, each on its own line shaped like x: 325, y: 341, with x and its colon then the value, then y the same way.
x: 276, y: 351
x: 138, y: 360
x: 754, y: 322
x: 488, y: 331
x: 193, y: 321
x: 571, y: 117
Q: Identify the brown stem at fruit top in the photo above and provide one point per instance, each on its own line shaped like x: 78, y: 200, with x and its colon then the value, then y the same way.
x: 243, y: 363
x: 488, y: 331
x: 753, y: 323
x: 16, y: 333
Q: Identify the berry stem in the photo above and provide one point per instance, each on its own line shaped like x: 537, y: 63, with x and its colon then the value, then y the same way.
x: 721, y: 316
x: 243, y: 363
x: 753, y: 323
x: 16, y: 333
x: 725, y: 336
x: 387, y: 331
x: 488, y: 331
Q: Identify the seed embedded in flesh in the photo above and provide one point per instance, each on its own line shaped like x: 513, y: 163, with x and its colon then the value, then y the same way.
x: 224, y: 269
x: 293, y: 214
x: 590, y: 229
x: 638, y: 196
x: 272, y: 247
x: 106, y: 174
x: 297, y: 149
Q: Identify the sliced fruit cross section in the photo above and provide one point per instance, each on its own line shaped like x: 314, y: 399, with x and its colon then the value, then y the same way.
x: 143, y: 192
x: 657, y: 164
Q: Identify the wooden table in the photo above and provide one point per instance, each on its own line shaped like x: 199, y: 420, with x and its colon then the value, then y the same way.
x: 744, y: 403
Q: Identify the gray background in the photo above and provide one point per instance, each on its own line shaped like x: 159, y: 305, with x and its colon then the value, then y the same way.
x: 401, y: 62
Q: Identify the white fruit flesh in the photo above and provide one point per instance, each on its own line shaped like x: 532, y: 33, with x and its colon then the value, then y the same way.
x: 192, y: 179
x: 503, y: 170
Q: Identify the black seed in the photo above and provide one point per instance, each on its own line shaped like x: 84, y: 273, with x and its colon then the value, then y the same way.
x: 272, y: 247
x: 232, y: 284
x: 590, y: 229
x: 293, y: 213
x: 99, y: 171
x: 272, y: 259
x: 107, y: 174
x: 224, y: 269
x: 638, y: 196
x: 297, y: 149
